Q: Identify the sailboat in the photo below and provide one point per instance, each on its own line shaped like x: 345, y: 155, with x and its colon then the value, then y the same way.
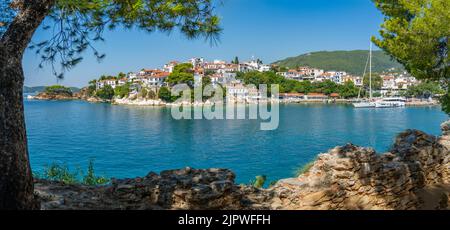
x: 392, y: 102
x: 364, y: 103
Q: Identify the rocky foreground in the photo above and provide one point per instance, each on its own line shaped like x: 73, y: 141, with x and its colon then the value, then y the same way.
x: 415, y: 174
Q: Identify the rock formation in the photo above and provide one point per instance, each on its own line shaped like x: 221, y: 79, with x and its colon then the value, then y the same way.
x: 176, y: 189
x: 54, y: 96
x: 415, y: 174
x: 352, y: 177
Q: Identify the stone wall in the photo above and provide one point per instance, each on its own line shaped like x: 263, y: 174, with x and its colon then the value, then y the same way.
x: 348, y: 177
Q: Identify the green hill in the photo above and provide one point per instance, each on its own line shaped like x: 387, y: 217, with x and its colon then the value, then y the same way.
x: 349, y: 61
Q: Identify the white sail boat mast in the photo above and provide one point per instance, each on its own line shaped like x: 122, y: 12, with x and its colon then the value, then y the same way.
x: 396, y: 102
x: 370, y: 71
x: 370, y: 103
x: 364, y: 74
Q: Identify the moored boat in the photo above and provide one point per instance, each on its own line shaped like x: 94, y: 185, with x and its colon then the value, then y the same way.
x: 364, y: 104
x: 391, y: 102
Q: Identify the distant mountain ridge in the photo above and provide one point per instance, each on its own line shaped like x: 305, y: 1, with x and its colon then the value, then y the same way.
x: 349, y: 61
x: 38, y: 89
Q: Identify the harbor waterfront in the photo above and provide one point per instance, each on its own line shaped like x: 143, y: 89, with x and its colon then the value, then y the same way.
x: 130, y: 141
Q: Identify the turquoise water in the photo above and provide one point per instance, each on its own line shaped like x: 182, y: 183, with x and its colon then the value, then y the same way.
x: 132, y: 141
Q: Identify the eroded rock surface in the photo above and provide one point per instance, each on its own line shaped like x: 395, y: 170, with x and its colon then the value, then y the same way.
x: 352, y: 177
x: 176, y: 189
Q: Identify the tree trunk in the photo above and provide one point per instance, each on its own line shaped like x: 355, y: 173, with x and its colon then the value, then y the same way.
x: 16, y: 181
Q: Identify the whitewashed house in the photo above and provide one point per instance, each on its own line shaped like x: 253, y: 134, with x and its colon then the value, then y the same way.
x: 336, y: 76
x: 255, y: 65
x: 264, y: 68
x: 122, y: 81
x: 170, y: 66
x: 131, y: 76
x: 102, y: 83
x: 156, y: 80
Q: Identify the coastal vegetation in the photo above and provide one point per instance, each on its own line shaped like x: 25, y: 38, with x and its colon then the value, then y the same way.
x: 416, y: 33
x: 58, y: 89
x: 122, y: 91
x: 38, y: 89
x: 62, y: 173
x: 165, y: 95
x: 259, y: 181
x: 377, y: 81
x: 424, y: 90
x: 349, y: 61
x: 55, y: 92
x: 182, y: 74
x: 105, y: 93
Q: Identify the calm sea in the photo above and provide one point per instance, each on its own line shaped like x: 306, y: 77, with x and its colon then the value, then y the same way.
x: 132, y: 141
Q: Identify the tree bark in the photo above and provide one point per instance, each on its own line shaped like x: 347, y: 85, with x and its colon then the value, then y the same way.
x: 16, y: 181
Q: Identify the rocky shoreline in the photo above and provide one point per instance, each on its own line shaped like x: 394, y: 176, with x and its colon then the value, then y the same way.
x: 415, y: 174
x: 83, y: 95
x: 158, y: 103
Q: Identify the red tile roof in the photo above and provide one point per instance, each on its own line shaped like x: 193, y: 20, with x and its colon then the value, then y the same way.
x: 335, y: 95
x: 293, y: 94
x: 316, y: 95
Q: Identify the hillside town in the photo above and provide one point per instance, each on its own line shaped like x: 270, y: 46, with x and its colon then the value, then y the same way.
x: 225, y: 74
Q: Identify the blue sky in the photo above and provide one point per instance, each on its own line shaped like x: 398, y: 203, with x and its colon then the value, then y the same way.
x: 268, y: 29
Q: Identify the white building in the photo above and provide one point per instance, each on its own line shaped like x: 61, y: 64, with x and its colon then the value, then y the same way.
x: 336, y: 76
x: 132, y: 76
x: 292, y: 74
x: 264, y: 68
x: 254, y: 65
x: 156, y: 80
x: 237, y: 91
x: 170, y: 66
x: 102, y: 83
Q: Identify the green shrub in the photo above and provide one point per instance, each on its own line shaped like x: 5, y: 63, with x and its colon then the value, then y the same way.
x: 58, y: 89
x: 122, y: 91
x: 61, y: 173
x: 165, y: 95
x: 151, y: 94
x: 91, y: 90
x: 91, y: 179
x: 106, y: 93
x: 259, y: 181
